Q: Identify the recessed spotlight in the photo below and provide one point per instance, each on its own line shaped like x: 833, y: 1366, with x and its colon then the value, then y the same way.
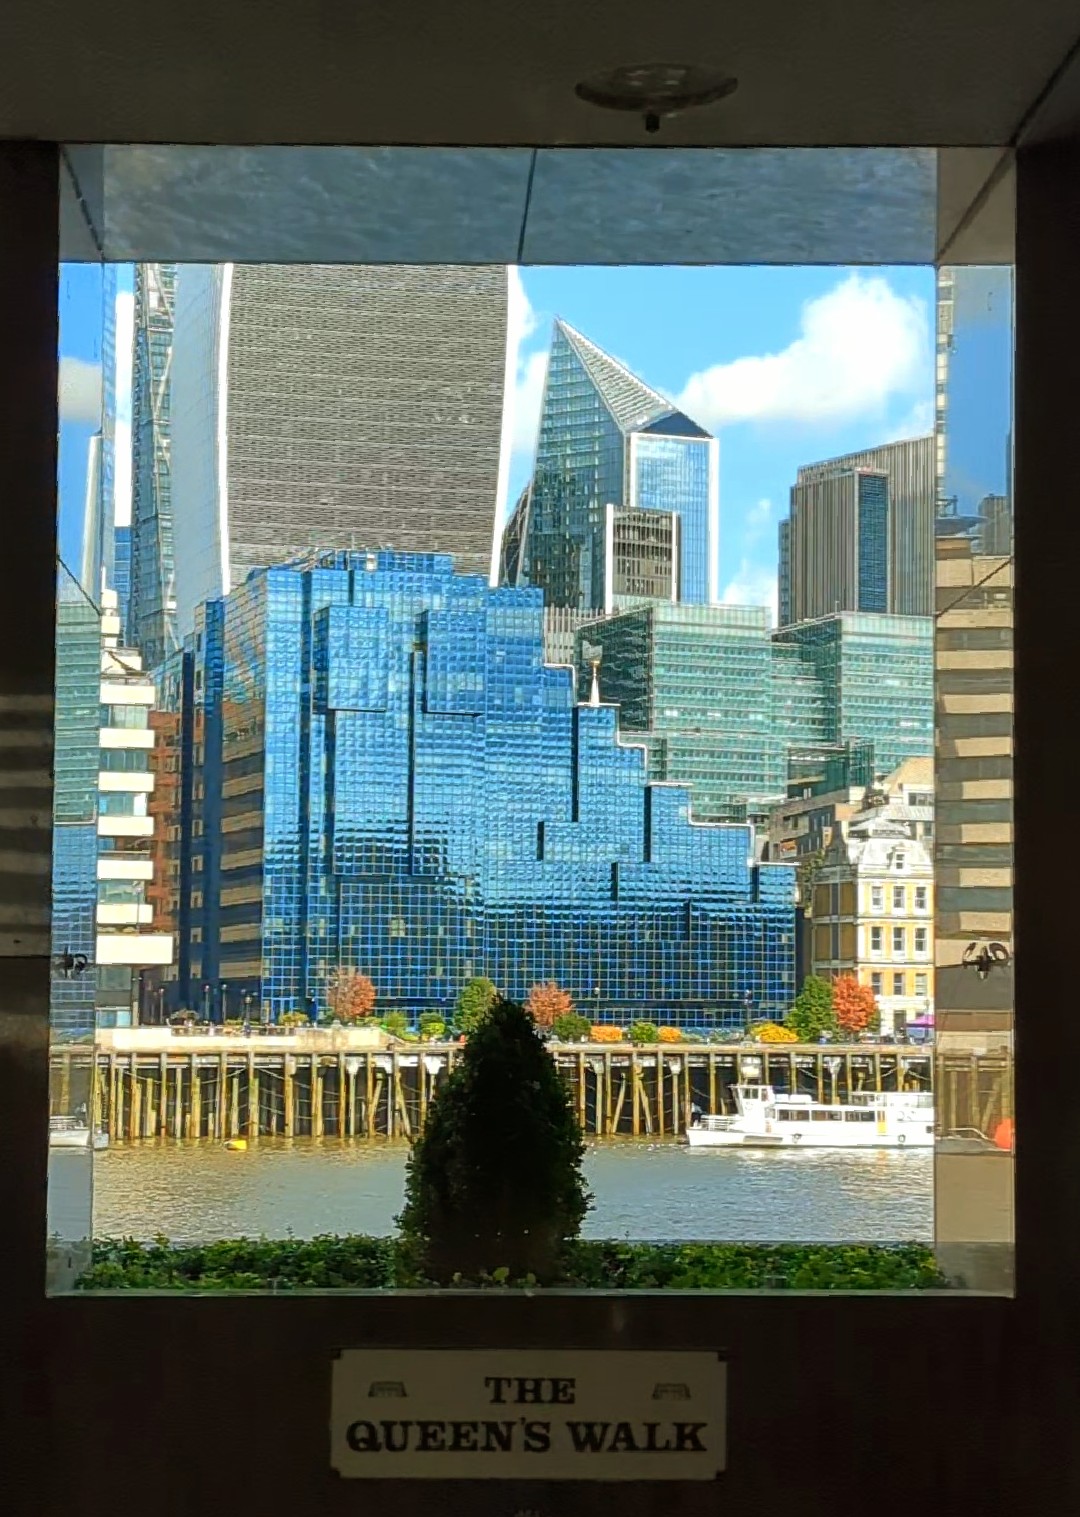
x: 655, y: 90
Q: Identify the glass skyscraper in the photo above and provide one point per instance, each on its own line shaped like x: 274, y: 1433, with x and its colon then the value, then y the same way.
x: 320, y: 406
x: 389, y: 778
x: 611, y: 453
x: 860, y: 535
x: 151, y: 621
x: 723, y: 705
x: 877, y: 675
x: 75, y: 804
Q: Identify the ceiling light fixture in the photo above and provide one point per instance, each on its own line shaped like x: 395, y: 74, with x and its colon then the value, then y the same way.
x: 655, y: 90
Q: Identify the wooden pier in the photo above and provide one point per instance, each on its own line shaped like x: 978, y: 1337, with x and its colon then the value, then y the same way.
x: 223, y: 1088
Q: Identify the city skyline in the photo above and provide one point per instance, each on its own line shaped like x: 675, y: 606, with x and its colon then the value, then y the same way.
x: 791, y: 363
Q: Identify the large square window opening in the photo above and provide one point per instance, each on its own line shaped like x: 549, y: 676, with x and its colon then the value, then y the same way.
x: 422, y: 624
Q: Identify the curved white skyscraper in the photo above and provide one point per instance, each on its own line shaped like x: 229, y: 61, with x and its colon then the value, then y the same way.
x: 322, y: 406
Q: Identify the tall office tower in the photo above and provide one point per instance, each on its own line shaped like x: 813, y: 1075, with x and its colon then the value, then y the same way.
x: 391, y: 779
x: 783, y: 572
x: 624, y: 500
x: 75, y: 801
x: 974, y: 405
x: 152, y: 605
x: 319, y: 406
x: 860, y: 535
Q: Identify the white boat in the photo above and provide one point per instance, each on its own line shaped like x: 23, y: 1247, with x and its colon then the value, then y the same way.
x: 870, y: 1119
x: 73, y: 1132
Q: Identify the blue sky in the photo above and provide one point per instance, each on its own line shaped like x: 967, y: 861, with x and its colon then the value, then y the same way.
x: 787, y: 365
x: 81, y: 326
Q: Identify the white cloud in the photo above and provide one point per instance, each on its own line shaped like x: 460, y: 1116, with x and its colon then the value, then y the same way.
x: 523, y: 387
x: 125, y: 335
x: 758, y: 522
x: 859, y: 345
x: 528, y: 396
x: 80, y: 391
x: 753, y: 585
x: 918, y: 422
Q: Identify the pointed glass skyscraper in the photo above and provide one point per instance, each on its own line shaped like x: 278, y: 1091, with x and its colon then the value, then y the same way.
x: 624, y: 500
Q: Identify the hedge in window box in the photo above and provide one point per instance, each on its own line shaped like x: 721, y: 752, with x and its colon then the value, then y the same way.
x: 495, y: 1180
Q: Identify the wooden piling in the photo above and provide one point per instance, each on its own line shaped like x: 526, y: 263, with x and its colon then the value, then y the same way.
x: 290, y: 1097
x: 253, y: 1123
x: 369, y: 1097
x: 195, y: 1113
x: 712, y: 1081
x: 660, y: 1066
x: 134, y: 1103
x: 316, y: 1096
x: 340, y: 1129
x: 65, y: 1082
x: 617, y: 1116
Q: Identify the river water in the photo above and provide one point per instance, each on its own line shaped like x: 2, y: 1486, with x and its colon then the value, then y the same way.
x: 200, y: 1192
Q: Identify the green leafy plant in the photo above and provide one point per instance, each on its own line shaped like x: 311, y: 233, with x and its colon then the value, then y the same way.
x: 813, y: 1015
x: 496, y: 1174
x: 396, y: 1023
x: 475, y: 1000
x: 432, y: 1025
x: 644, y: 1032
x: 294, y: 1019
x: 363, y: 1263
x: 571, y: 1027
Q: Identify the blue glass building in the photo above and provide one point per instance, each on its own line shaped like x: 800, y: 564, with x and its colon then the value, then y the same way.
x: 387, y: 777
x: 609, y: 448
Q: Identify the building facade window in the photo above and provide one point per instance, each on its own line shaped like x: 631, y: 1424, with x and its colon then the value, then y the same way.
x: 877, y: 898
x: 876, y: 939
x: 898, y: 940
x: 922, y: 940
x: 898, y: 898
x: 921, y: 897
x: 875, y: 982
x: 898, y: 984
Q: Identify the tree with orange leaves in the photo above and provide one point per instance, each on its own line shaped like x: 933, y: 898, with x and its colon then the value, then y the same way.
x: 546, y: 1002
x: 855, y: 1006
x: 350, y: 995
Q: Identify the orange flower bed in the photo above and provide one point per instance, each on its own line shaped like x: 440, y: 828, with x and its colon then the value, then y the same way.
x: 603, y: 1032
x: 671, y: 1035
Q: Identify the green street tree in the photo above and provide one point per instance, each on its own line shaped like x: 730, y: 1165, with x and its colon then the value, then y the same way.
x: 475, y: 1000
x: 494, y: 1182
x: 813, y: 1013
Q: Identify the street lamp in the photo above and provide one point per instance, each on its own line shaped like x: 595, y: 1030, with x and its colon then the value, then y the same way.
x: 206, y: 1003
x: 224, y: 1001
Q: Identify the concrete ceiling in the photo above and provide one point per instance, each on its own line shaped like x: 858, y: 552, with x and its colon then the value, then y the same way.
x: 811, y: 72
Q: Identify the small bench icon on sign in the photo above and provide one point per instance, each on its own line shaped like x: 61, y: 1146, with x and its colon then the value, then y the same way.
x: 387, y: 1388
x: 670, y: 1390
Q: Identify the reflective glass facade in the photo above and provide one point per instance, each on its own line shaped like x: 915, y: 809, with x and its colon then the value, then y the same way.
x: 877, y: 674
x: 723, y: 704
x: 152, y: 616
x: 387, y: 776
x: 75, y: 838
x: 605, y: 438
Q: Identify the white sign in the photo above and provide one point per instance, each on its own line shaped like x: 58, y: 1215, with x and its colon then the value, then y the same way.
x: 523, y: 1414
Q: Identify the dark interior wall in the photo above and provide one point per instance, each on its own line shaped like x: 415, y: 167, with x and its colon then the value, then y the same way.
x: 171, y: 1406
